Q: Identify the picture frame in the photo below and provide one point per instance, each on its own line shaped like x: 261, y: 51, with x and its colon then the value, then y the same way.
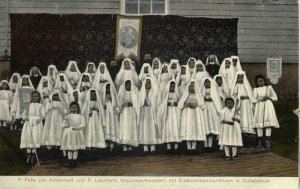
x: 128, y: 36
x: 274, y: 69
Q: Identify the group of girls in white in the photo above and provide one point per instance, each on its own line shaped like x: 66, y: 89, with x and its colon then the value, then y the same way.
x: 194, y: 104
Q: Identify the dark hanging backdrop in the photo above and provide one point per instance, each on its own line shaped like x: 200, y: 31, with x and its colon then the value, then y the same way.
x: 43, y: 39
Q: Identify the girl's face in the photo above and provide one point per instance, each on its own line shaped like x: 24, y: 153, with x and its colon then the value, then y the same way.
x: 146, y: 70
x: 219, y: 81
x: 4, y: 86
x: 199, y: 68
x: 240, y: 78
x: 127, y: 65
x: 207, y: 84
x: 172, y: 87
x: 165, y: 69
x: 90, y: 68
x: 75, y: 95
x: 183, y: 70
x: 234, y: 61
x: 55, y: 97
x: 107, y: 89
x: 85, y: 78
x: 192, y: 63
x: 128, y: 86
x: 25, y: 81
x: 15, y: 79
x: 148, y: 84
x: 45, y: 84
x: 156, y: 65
x: 260, y: 82
x: 61, y: 78
x: 102, y: 68
x: 74, y: 108
x: 93, y: 95
x: 192, y: 88
x: 51, y: 71
x: 227, y: 64
x: 35, y: 97
x: 174, y: 66
x: 73, y: 68
x: 229, y: 104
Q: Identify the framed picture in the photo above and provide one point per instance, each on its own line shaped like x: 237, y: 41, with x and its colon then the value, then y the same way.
x: 274, y: 69
x: 129, y: 32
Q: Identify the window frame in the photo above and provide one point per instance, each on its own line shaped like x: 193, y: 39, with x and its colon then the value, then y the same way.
x: 123, y: 9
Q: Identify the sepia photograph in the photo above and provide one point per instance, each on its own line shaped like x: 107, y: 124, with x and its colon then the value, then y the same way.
x: 173, y: 93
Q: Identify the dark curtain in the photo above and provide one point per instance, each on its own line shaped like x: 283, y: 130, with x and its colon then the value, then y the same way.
x: 182, y: 37
x: 43, y: 39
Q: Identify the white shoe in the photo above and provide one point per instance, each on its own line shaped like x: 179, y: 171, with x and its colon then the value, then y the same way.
x: 4, y: 124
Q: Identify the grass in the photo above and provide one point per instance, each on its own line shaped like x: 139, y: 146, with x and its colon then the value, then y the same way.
x: 285, y: 141
x: 12, y: 159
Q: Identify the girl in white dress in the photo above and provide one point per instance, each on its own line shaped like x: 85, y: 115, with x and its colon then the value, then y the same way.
x: 33, y: 126
x: 230, y: 135
x: 190, y: 67
x: 236, y: 64
x: 181, y: 79
x: 264, y: 115
x: 76, y: 96
x: 102, y: 76
x: 73, y: 74
x: 200, y: 72
x: 242, y: 90
x: 84, y: 84
x: 169, y: 117
x: 149, y: 133
x: 73, y: 136
x: 156, y: 67
x: 56, y: 111
x: 6, y: 98
x: 164, y: 77
x: 94, y: 115
x: 127, y: 72
x: 14, y: 82
x: 91, y: 70
x: 174, y: 67
x: 110, y: 101
x: 213, y: 107
x: 228, y: 72
x: 21, y: 100
x: 129, y: 113
x: 52, y: 73
x: 45, y: 89
x: 62, y: 83
x: 193, y: 125
x: 222, y: 87
x: 146, y: 71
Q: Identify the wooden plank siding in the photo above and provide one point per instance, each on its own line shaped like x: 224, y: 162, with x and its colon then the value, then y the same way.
x: 265, y: 27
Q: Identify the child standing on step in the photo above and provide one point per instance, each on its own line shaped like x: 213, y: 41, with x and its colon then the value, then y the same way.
x: 73, y: 137
x: 264, y: 114
x: 230, y: 134
x: 33, y: 126
x: 5, y: 104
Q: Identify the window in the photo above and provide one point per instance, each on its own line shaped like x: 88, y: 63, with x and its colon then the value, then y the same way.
x: 144, y: 7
